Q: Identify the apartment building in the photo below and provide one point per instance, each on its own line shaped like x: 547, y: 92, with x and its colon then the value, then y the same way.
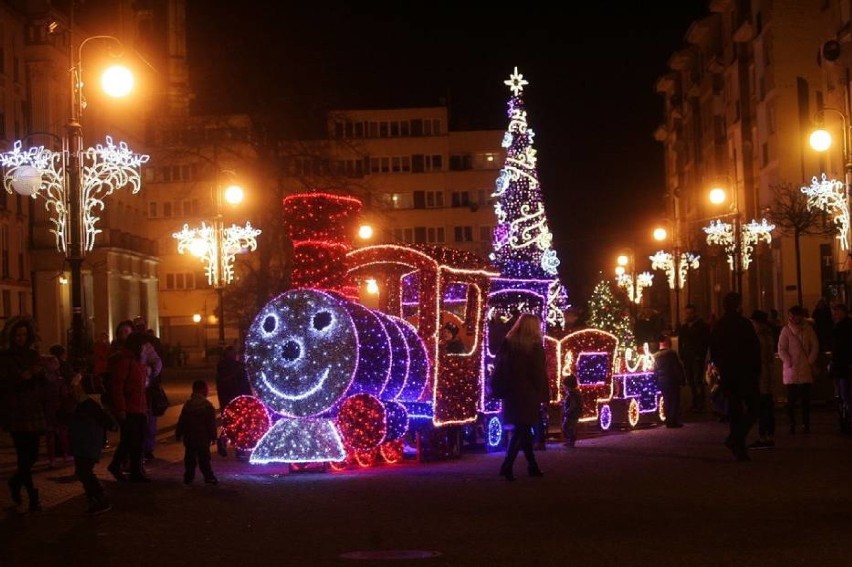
x: 738, y: 104
x: 420, y: 182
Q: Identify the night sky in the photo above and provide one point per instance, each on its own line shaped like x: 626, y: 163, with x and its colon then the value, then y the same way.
x: 591, y: 98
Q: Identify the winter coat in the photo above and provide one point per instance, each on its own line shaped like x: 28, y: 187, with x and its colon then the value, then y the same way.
x: 841, y: 350
x: 735, y: 352
x: 692, y: 340
x: 527, y: 388
x: 767, y: 356
x: 572, y: 405
x: 668, y: 369
x: 127, y: 383
x: 196, y: 426
x: 22, y: 400
x: 798, y: 348
x: 88, y: 423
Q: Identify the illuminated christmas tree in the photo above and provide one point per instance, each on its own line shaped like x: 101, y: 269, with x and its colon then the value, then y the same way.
x: 609, y: 313
x: 522, y: 241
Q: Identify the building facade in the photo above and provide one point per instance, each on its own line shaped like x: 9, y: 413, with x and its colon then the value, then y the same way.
x: 739, y: 101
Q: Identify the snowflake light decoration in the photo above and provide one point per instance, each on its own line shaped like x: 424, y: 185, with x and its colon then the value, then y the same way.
x: 215, y: 245
x: 104, y: 168
x: 634, y: 290
x: 662, y: 260
x: 829, y: 195
x: 752, y: 233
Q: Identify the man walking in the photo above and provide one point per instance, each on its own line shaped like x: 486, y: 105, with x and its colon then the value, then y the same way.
x: 735, y: 350
x: 693, y: 336
x: 840, y: 368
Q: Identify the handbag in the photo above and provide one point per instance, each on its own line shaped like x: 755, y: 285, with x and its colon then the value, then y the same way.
x: 158, y: 401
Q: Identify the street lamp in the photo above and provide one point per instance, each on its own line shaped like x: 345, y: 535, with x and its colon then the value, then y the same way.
x: 676, y: 264
x: 738, y: 239
x: 75, y: 181
x: 627, y: 278
x: 217, y: 246
x: 831, y: 196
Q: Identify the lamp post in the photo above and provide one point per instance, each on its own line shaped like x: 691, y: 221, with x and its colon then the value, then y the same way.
x: 676, y: 264
x: 217, y: 246
x: 737, y: 238
x: 826, y: 194
x: 75, y: 181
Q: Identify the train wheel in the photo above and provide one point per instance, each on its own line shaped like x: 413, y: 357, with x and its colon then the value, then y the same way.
x: 605, y: 417
x: 494, y: 433
x: 365, y: 459
x: 337, y: 466
x: 633, y: 412
x: 392, y: 451
x: 661, y: 409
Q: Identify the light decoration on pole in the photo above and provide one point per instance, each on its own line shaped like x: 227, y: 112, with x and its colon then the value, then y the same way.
x: 75, y: 181
x: 522, y: 244
x: 720, y: 233
x: 662, y: 260
x: 217, y: 249
x: 39, y: 172
x: 633, y: 286
x: 829, y: 196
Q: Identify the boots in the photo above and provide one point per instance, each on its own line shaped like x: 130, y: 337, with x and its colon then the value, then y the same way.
x: 506, y: 471
x: 35, y: 504
x: 534, y: 471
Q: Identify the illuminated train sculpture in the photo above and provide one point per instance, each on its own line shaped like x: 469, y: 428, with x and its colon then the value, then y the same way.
x: 342, y: 383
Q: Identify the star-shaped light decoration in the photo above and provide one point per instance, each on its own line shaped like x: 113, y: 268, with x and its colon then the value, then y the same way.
x: 516, y: 82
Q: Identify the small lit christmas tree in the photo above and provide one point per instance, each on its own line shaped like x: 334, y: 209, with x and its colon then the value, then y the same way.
x: 609, y: 313
x: 522, y: 241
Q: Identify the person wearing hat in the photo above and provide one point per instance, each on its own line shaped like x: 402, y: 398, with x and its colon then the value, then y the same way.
x: 765, y: 403
x: 450, y: 339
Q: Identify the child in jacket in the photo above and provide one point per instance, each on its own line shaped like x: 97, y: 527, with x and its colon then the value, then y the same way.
x: 572, y: 409
x: 88, y: 425
x: 196, y: 427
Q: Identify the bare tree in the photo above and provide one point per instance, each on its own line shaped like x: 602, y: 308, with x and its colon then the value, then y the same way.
x: 792, y: 217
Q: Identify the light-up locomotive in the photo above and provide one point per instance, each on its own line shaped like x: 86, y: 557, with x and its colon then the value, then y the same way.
x: 343, y: 383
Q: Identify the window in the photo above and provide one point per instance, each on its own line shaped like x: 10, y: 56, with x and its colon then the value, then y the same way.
x: 485, y: 233
x: 187, y: 208
x: 460, y: 199
x: 427, y: 127
x: 398, y: 201
x: 180, y: 280
x: 420, y: 235
x: 167, y: 210
x: 396, y: 164
x: 394, y: 129
x: 152, y: 209
x: 405, y: 128
x: 383, y: 130
x: 463, y: 233
x: 374, y: 130
x: 435, y: 235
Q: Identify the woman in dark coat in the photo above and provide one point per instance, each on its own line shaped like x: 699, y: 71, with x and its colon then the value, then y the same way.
x: 521, y: 357
x: 22, y: 400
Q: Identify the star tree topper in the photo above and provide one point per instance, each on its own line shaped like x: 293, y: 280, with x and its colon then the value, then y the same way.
x: 516, y: 82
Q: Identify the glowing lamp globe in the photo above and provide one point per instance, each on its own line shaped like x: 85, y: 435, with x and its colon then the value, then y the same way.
x: 365, y: 232
x: 717, y: 195
x: 622, y: 260
x: 196, y: 318
x: 117, y: 81
x: 26, y: 181
x: 234, y: 194
x: 820, y: 140
x: 198, y: 247
x: 372, y: 287
x: 619, y: 270
x: 660, y: 234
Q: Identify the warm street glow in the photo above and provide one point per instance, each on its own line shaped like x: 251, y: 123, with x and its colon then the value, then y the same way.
x: 372, y: 287
x: 619, y: 270
x: 196, y: 318
x: 234, y: 194
x: 365, y: 232
x: 117, y: 81
x: 198, y: 247
x: 660, y: 234
x: 717, y: 195
x: 820, y: 140
x: 622, y: 260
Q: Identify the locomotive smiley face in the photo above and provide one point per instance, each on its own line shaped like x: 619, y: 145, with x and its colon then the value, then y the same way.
x: 301, y: 352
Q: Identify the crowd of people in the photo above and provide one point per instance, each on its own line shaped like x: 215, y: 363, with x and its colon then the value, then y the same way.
x: 71, y: 406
